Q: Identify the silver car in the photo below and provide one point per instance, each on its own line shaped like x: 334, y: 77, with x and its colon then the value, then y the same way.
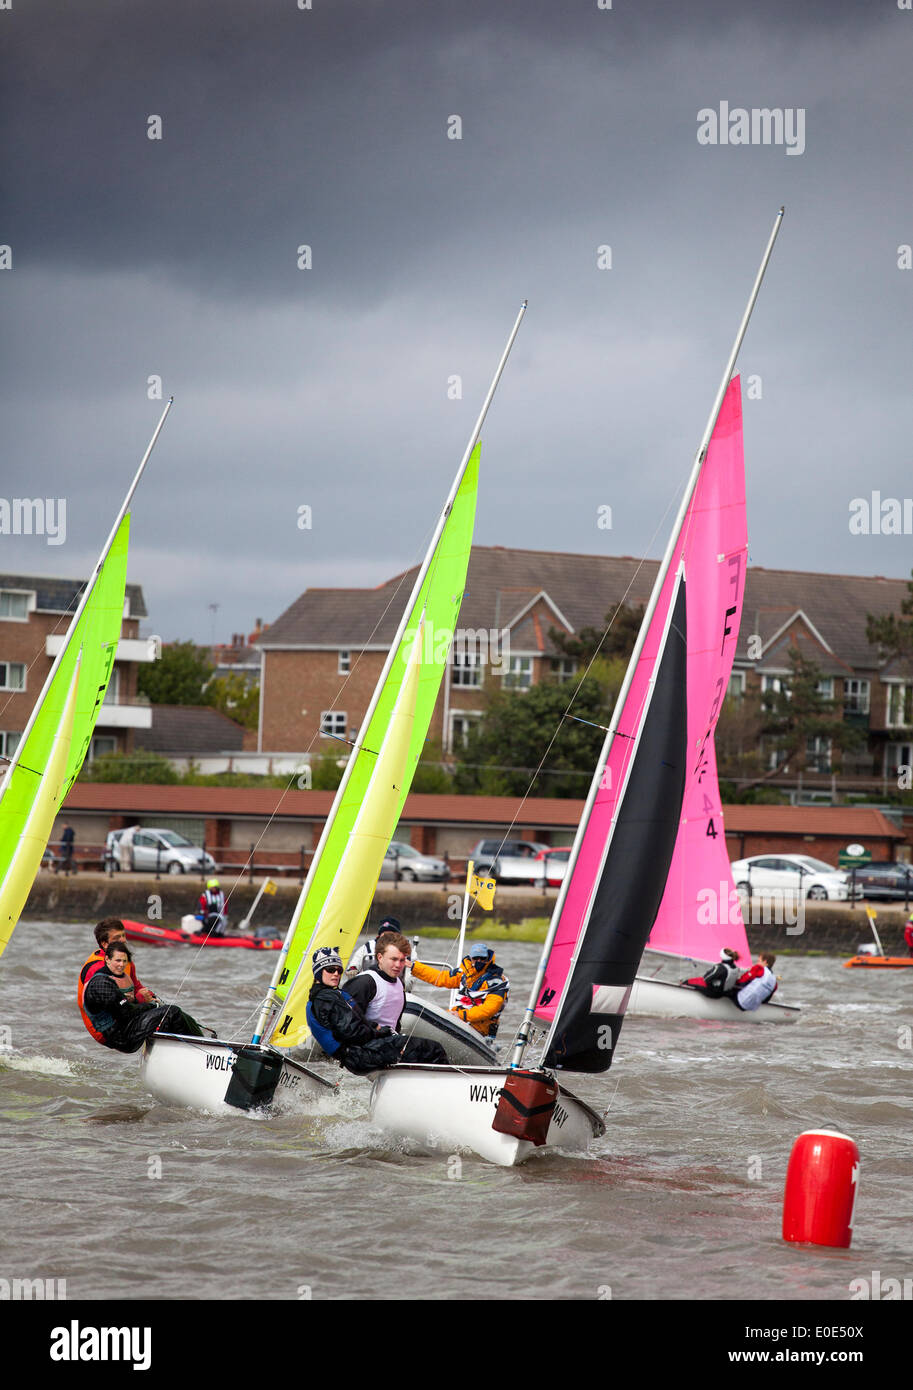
x: 165, y: 850
x: 413, y: 866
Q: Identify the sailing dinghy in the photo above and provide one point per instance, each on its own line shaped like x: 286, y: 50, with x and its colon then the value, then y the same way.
x: 55, y: 741
x: 616, y: 880
x: 700, y: 912
x: 345, y: 869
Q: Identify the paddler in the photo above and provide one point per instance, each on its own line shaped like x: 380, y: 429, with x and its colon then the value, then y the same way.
x: 481, y: 984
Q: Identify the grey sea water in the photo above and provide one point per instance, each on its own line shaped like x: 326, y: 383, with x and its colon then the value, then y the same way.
x: 681, y: 1199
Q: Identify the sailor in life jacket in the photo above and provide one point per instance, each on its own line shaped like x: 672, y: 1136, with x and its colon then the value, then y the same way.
x: 379, y: 990
x: 109, y: 929
x: 211, y: 910
x: 483, y: 987
x: 721, y: 978
x: 340, y: 1028
x: 757, y: 985
x: 364, y: 957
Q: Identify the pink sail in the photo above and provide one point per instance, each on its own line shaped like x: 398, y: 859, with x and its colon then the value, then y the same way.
x: 700, y: 910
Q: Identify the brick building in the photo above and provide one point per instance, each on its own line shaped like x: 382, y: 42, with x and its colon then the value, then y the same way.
x: 34, y: 615
x: 322, y: 657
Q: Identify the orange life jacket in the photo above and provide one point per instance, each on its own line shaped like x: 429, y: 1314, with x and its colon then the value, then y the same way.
x: 91, y: 967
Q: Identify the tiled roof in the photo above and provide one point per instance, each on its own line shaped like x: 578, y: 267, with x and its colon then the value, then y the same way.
x: 584, y: 588
x: 853, y: 823
x: 62, y: 595
x: 189, y: 729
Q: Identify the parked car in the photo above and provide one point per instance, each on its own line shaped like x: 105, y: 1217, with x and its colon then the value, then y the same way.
x: 792, y: 873
x: 161, y: 849
x: 514, y: 861
x: 888, y: 881
x: 413, y: 866
x: 555, y: 865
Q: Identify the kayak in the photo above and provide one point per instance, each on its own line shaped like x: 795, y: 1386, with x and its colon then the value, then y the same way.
x: 885, y: 962
x: 172, y: 936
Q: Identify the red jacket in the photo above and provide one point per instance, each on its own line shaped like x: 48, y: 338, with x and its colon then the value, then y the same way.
x: 92, y: 967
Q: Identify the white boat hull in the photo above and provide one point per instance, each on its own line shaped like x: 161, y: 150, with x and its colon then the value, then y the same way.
x: 461, y: 1042
x: 443, y: 1108
x: 663, y: 999
x: 195, y: 1072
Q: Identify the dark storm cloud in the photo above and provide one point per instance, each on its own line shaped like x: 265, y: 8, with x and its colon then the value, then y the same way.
x: 134, y: 258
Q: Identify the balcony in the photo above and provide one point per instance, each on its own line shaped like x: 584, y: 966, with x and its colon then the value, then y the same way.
x: 125, y: 714
x: 128, y: 648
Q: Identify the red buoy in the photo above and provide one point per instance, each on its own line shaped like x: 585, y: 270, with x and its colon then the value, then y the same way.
x: 821, y: 1184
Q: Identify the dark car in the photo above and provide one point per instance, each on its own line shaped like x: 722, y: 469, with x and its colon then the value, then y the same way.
x: 888, y: 881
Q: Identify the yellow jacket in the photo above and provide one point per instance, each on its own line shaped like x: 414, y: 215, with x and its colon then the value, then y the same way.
x: 483, y: 993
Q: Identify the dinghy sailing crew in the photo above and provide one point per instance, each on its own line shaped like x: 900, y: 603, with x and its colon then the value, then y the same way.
x: 342, y: 1031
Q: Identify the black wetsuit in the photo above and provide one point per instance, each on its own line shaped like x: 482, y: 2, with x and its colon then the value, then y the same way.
x: 124, y: 1025
x: 363, y: 1047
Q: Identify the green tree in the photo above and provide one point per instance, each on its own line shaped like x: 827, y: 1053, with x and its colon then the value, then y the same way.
x: 799, y: 712
x: 178, y: 677
x: 616, y: 638
x: 233, y: 696
x: 503, y: 751
x: 129, y: 767
x: 893, y: 634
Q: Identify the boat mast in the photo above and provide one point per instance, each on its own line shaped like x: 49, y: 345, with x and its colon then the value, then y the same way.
x: 271, y: 1001
x: 523, y: 1035
x: 87, y: 593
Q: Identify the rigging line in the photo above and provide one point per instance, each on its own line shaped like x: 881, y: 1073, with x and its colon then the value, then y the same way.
x: 640, y: 564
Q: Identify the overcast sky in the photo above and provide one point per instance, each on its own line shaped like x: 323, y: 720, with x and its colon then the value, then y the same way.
x: 327, y: 387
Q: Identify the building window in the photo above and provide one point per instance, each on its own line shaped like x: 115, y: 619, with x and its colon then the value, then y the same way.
x: 736, y: 688
x: 519, y: 675
x: 460, y: 725
x: 564, y: 669
x: 345, y: 663
x: 897, y: 756
x: 467, y: 670
x: 333, y: 723
x: 113, y: 690
x: 9, y: 742
x: 856, y: 697
x: 898, y: 705
x: 102, y: 746
x: 825, y: 688
x: 773, y: 685
x: 818, y: 754
x: 14, y: 605
x: 12, y: 675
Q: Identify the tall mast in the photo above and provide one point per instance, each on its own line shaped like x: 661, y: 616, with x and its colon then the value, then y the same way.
x: 369, y: 714
x: 523, y: 1035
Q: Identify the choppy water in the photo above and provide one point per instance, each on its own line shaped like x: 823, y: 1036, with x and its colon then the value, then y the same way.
x: 681, y: 1199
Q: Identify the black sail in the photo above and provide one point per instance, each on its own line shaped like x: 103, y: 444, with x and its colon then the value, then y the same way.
x: 633, y: 879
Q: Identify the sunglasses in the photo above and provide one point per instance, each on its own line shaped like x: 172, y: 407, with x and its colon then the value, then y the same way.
x: 332, y: 970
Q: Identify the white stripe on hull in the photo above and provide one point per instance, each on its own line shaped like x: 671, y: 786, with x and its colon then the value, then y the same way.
x: 442, y: 1108
x: 662, y: 999
x: 195, y: 1072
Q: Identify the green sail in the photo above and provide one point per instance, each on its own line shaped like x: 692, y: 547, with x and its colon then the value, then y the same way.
x: 95, y: 633
x: 439, y: 598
